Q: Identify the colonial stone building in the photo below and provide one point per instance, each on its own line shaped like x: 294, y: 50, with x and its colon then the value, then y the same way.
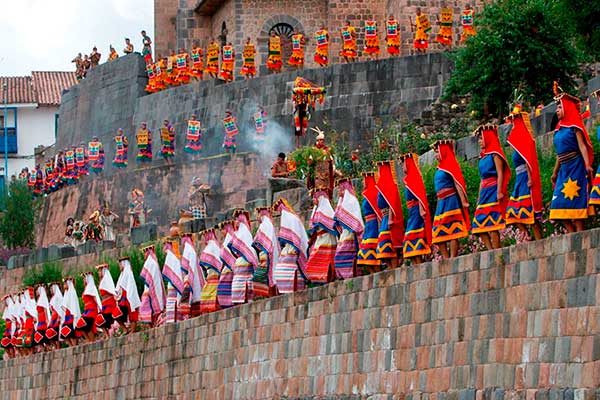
x: 181, y: 23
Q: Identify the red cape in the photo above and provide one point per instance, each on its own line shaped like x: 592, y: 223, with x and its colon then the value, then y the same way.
x: 572, y: 119
x: 492, y: 146
x: 449, y: 164
x: 413, y: 180
x: 521, y: 139
x: 388, y: 188
x: 370, y: 193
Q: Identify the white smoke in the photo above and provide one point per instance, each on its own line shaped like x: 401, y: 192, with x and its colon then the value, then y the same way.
x: 276, y: 138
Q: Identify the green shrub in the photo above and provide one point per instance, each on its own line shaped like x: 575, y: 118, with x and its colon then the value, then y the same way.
x: 45, y: 274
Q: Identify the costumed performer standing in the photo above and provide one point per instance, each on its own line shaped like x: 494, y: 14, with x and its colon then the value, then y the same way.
x: 494, y: 171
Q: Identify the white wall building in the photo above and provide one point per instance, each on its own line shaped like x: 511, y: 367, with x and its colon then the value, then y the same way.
x: 29, y: 112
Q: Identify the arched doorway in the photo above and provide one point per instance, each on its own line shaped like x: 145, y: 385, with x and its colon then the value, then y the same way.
x: 284, y: 26
x: 285, y: 32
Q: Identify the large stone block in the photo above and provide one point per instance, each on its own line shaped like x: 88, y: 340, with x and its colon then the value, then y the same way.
x: 144, y: 233
x: 298, y: 198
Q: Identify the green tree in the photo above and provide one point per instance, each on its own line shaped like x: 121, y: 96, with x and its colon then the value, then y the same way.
x: 584, y: 17
x: 17, y: 222
x: 520, y: 44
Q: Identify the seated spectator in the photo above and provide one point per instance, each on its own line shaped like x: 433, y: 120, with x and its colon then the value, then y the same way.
x: 280, y: 167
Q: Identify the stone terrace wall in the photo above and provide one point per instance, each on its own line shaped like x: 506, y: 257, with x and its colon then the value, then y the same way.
x: 233, y: 181
x: 359, y: 95
x: 517, y: 323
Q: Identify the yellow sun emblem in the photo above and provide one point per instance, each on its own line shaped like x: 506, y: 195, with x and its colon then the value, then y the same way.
x: 570, y: 189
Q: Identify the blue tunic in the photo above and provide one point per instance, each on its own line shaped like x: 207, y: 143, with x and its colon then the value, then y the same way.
x: 367, y: 253
x: 449, y: 221
x: 570, y: 196
x: 520, y: 206
x: 415, y: 240
x: 489, y: 215
x: 385, y: 248
x: 595, y: 194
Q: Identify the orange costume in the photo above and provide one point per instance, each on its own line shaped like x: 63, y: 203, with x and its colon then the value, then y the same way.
x: 349, y: 42
x: 371, y: 38
x: 170, y: 73
x: 212, y: 58
x: 322, y: 49
x: 249, y: 66
x: 227, y: 62
x: 392, y: 37
x: 274, y: 61
x: 444, y: 36
x: 422, y: 29
x: 182, y: 68
x: 466, y: 20
x: 197, y: 69
x: 297, y: 57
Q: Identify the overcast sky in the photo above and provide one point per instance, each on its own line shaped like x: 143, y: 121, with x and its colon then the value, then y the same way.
x: 45, y: 35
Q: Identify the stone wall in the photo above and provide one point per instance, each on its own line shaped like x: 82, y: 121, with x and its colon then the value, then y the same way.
x: 255, y: 18
x: 517, y: 323
x: 359, y: 95
x: 165, y: 189
x: 101, y: 103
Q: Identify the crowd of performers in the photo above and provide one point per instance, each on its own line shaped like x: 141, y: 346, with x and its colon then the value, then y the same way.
x: 69, y: 165
x: 181, y: 66
x: 66, y: 168
x: 226, y: 265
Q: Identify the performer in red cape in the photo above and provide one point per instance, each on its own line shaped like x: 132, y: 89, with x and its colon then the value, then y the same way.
x: 417, y: 238
x: 525, y: 204
x: 367, y: 250
x: 451, y: 221
x: 391, y: 230
x: 493, y: 189
x: 573, y: 169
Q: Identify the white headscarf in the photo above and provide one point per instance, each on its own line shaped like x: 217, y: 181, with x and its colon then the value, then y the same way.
x: 42, y: 301
x: 127, y: 282
x: 56, y: 302
x: 29, y: 304
x: 91, y: 290
x: 154, y: 282
x: 106, y: 283
x: 189, y: 262
x: 9, y: 308
x: 71, y: 302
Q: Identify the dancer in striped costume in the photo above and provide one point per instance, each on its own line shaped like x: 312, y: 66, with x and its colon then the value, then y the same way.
x: 349, y: 222
x: 195, y: 275
x: 246, y: 259
x: 290, y: 272
x: 267, y: 246
x: 173, y: 274
x: 153, y: 299
x: 228, y: 260
x: 323, y: 236
x: 211, y: 261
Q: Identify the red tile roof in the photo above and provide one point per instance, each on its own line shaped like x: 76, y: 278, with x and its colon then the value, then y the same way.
x: 19, y: 89
x: 43, y: 87
x: 50, y: 84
